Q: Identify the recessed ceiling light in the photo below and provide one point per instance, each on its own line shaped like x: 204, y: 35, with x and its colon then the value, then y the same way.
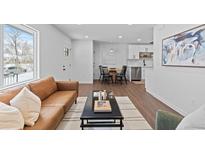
x: 120, y: 36
x: 86, y: 36
x: 130, y: 24
x: 139, y: 39
x: 111, y: 50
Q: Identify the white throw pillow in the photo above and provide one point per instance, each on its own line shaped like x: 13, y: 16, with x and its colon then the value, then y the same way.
x: 10, y: 117
x: 29, y: 105
x: 195, y: 120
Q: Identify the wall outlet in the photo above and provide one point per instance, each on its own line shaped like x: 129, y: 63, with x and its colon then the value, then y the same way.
x: 63, y: 68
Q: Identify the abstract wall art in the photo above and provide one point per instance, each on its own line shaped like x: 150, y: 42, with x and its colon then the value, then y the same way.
x: 185, y: 49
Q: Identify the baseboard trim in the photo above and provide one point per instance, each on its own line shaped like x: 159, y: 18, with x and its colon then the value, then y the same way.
x: 86, y: 82
x: 174, y: 107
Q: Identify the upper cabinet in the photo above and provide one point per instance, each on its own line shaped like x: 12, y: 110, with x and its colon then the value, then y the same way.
x: 137, y: 51
x: 132, y: 52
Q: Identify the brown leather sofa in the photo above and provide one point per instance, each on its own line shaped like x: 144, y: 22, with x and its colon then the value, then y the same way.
x: 56, y: 96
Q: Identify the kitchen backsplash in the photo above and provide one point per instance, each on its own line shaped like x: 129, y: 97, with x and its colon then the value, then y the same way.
x: 148, y: 63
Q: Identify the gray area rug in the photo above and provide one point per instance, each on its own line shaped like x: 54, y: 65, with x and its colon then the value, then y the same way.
x: 133, y: 120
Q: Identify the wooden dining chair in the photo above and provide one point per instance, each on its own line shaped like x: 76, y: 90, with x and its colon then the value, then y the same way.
x: 101, y: 72
x: 106, y: 76
x: 122, y: 75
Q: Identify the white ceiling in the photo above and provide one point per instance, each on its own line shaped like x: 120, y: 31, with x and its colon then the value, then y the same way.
x: 109, y: 32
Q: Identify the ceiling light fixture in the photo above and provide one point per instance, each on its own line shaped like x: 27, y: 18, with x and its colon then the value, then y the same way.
x: 86, y: 36
x: 139, y: 39
x: 112, y: 50
x: 120, y: 36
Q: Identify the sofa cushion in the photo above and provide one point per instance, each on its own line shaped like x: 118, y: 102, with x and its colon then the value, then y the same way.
x: 61, y: 98
x: 194, y: 120
x: 67, y: 85
x: 10, y: 117
x: 29, y: 105
x: 7, y: 95
x: 43, y: 87
x: 49, y: 118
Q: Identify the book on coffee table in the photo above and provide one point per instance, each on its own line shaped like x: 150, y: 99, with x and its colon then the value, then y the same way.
x: 102, y: 106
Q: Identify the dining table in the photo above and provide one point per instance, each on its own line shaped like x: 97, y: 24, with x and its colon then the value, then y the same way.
x: 114, y: 71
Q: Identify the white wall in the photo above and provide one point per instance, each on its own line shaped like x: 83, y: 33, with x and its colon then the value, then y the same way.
x: 82, y: 58
x: 52, y: 44
x: 179, y: 87
x: 102, y: 57
x: 1, y: 55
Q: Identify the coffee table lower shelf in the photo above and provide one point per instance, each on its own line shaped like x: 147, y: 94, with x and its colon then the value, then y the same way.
x: 100, y: 123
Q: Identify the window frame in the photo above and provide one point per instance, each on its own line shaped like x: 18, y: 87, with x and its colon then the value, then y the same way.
x: 36, y: 55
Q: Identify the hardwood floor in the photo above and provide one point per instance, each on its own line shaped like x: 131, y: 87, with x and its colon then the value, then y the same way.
x: 145, y: 103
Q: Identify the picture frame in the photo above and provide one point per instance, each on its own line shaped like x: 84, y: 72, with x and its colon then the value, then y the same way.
x: 185, y: 49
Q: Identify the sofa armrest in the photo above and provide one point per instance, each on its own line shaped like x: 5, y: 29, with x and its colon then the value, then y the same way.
x: 68, y: 85
x: 166, y: 120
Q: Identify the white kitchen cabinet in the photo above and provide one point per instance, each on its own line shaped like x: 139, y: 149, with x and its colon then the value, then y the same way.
x: 134, y: 50
x: 136, y: 54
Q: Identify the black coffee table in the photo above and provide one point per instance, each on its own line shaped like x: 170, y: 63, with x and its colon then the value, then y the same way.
x: 89, y: 118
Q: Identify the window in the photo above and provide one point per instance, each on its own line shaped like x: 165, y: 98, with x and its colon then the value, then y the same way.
x: 19, y: 55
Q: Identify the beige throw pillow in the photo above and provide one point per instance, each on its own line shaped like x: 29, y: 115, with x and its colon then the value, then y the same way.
x: 10, y: 117
x: 29, y: 105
